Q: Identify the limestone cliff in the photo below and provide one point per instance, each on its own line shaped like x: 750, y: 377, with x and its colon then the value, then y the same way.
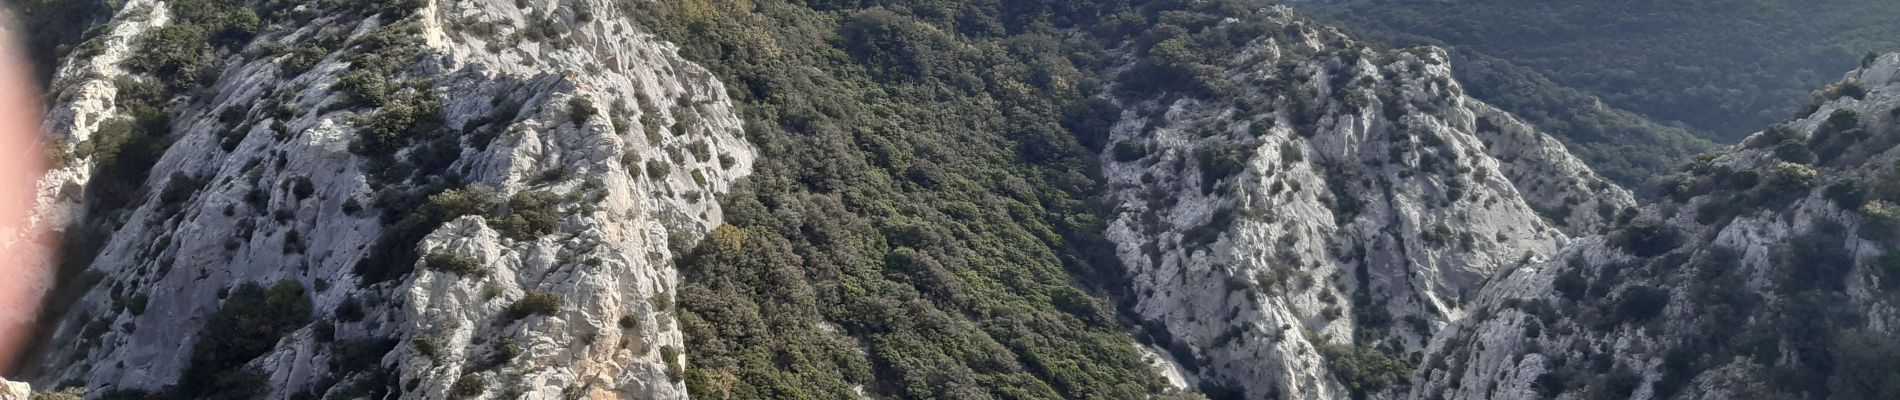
x: 1338, y: 202
x: 592, y: 151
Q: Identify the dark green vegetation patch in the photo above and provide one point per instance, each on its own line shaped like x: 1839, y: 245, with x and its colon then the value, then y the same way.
x: 917, y: 222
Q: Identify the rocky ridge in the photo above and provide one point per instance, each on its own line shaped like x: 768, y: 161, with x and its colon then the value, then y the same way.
x: 1339, y: 202
x: 576, y: 161
x: 1766, y: 273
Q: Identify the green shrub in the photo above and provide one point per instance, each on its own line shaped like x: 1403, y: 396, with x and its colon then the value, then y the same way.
x: 1718, y: 210
x: 400, y: 121
x: 675, y: 368
x: 468, y: 386
x: 387, y: 49
x: 1736, y: 180
x: 657, y: 169
x: 364, y: 87
x: 685, y: 124
x: 1866, y: 366
x: 579, y: 109
x: 250, y: 322
x: 1880, y: 221
x: 1794, y: 152
x: 232, y: 116
x: 631, y: 161
x: 504, y: 352
x: 428, y: 347
x: 1219, y: 161
x: 1836, y: 135
x: 1290, y: 154
x: 302, y: 188
x: 471, y: 200
x: 293, y: 241
x: 529, y: 214
x: 650, y: 122
x: 302, y: 58
x: 122, y: 151
x: 180, y: 187
x: 1437, y: 236
x: 69, y: 393
x: 1787, y: 182
x: 1775, y: 134
x: 1206, y: 234
x: 620, y: 123
x: 1647, y: 238
x: 1888, y: 268
x: 662, y: 302
x: 1090, y: 120
x: 535, y: 303
x: 1129, y: 150
x: 456, y: 263
x: 1847, y: 88
x: 175, y: 54
x: 700, y: 149
x: 1570, y: 284
x: 1847, y: 194
x: 230, y: 23
x: 1262, y: 127
x: 1817, y: 259
x: 1640, y: 303
x: 136, y: 304
x: 1363, y: 370
x: 907, y: 47
x: 1354, y: 99
x: 394, y: 254
x: 552, y: 174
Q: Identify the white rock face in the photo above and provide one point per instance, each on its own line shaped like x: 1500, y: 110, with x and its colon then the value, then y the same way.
x: 513, y: 107
x: 1370, y: 210
x: 1721, y: 288
x: 10, y: 390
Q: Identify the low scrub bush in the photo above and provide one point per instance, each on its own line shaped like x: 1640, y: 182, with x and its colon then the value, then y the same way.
x: 458, y: 264
x: 1647, y: 239
x: 535, y: 303
x: 250, y: 322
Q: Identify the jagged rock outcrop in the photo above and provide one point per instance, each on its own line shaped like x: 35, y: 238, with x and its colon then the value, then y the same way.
x: 591, y: 150
x: 10, y: 390
x: 1334, y: 201
x: 1766, y: 272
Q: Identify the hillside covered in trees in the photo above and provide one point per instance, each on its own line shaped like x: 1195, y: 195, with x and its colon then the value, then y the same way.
x: 1716, y: 69
x: 1721, y: 68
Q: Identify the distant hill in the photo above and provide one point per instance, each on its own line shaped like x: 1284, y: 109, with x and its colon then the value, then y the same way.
x: 1720, y: 68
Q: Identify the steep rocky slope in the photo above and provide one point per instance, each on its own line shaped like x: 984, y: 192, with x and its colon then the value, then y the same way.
x: 490, y: 199
x: 1767, y: 273
x: 1335, y: 203
x: 492, y: 189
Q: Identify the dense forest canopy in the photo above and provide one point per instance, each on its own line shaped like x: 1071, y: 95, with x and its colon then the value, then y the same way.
x: 921, y: 196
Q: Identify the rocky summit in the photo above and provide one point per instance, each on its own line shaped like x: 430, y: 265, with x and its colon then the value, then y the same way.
x: 591, y: 199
